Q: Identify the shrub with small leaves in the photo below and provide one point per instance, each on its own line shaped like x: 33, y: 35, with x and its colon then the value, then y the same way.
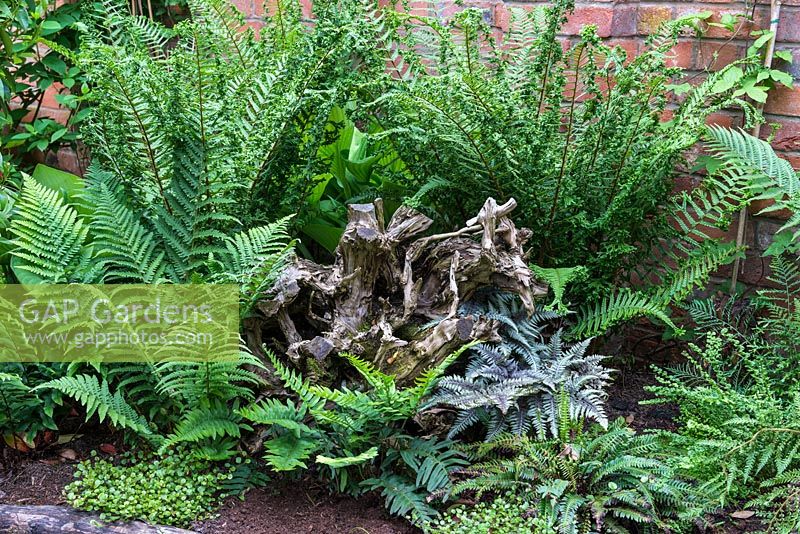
x: 174, y: 489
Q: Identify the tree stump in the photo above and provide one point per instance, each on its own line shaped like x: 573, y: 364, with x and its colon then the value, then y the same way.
x: 392, y: 296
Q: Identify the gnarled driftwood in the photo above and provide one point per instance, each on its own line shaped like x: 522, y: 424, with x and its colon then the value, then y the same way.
x: 387, y: 282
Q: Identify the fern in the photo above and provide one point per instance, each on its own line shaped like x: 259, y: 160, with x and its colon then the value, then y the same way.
x: 50, y: 238
x: 204, y: 424
x: 356, y: 436
x: 401, y: 497
x: 616, y: 308
x: 516, y: 385
x: 606, y: 478
x: 558, y: 279
x: 771, y: 178
x: 573, y: 134
x: 96, y: 398
x: 735, y: 415
x: 127, y: 249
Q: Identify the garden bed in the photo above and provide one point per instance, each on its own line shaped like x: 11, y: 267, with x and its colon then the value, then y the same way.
x: 287, y: 507
x: 365, y: 270
x: 300, y: 506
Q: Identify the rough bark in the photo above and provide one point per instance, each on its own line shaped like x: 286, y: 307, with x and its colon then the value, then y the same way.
x: 41, y: 519
x: 387, y: 283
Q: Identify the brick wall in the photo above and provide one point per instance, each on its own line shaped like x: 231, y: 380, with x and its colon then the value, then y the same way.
x: 626, y: 23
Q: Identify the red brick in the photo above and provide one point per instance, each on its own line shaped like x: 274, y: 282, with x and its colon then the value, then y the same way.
x: 793, y: 159
x: 256, y: 26
x: 306, y: 7
x: 264, y: 8
x: 784, y: 101
x: 631, y: 46
x: 650, y: 18
x: 601, y: 16
x: 787, y: 136
x: 726, y: 52
x: 59, y: 114
x: 757, y: 206
x: 682, y: 55
x: 247, y: 7
x: 49, y: 98
x: 722, y: 119
x: 502, y: 17
x: 623, y: 22
x: 789, y: 26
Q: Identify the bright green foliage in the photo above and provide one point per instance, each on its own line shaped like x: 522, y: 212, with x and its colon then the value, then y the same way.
x: 679, y: 265
x: 250, y: 129
x: 740, y: 430
x: 116, y: 243
x: 739, y: 397
x: 558, y: 278
x: 96, y: 398
x: 175, y: 489
x: 515, y: 385
x: 598, y: 481
x: 357, y: 438
x: 576, y: 137
x: 170, y: 403
x: 769, y: 178
x: 360, y: 169
x: 50, y: 239
x: 505, y: 514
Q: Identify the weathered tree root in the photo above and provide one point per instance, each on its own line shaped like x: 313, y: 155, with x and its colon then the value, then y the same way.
x: 387, y: 284
x: 44, y: 519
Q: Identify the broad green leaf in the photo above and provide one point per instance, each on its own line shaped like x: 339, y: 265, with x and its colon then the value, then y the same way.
x: 67, y: 183
x: 728, y: 80
x: 345, y: 461
x: 782, y: 77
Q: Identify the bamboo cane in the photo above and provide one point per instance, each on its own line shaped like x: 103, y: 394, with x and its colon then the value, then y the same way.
x: 774, y: 17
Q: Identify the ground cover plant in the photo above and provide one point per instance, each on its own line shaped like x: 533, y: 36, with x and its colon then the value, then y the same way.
x: 272, y: 161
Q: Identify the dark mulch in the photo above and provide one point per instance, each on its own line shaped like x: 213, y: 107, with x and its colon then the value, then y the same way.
x: 34, y: 483
x: 38, y: 477
x: 293, y: 508
x: 628, y: 390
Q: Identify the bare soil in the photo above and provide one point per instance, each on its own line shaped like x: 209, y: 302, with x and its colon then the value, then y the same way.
x: 299, y: 508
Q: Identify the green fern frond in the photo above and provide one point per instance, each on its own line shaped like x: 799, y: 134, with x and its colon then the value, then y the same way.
x: 96, y: 397
x: 616, y: 308
x: 401, y: 497
x: 203, y: 424
x: 50, y: 238
x: 127, y: 250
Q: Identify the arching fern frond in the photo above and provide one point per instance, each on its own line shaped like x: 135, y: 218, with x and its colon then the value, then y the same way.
x: 50, y: 238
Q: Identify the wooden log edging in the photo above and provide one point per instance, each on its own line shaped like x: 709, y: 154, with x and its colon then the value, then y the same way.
x: 65, y: 520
